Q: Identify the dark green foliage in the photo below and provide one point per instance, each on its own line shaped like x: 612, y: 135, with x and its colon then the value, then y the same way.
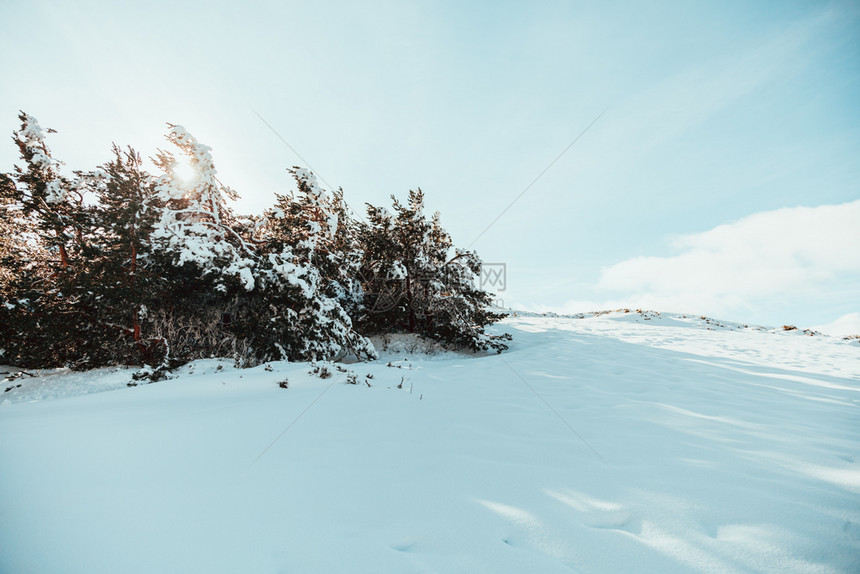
x: 45, y: 286
x: 122, y: 273
x: 416, y: 282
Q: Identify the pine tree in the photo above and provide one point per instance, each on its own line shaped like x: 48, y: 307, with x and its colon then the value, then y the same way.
x: 416, y: 282
x: 53, y: 204
x: 16, y: 253
x: 15, y: 250
x: 197, y: 227
x: 256, y: 290
x: 312, y: 241
x: 207, y: 267
x: 124, y: 278
x: 47, y: 304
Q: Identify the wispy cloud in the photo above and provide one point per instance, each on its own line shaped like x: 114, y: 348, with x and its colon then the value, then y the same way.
x: 799, y: 251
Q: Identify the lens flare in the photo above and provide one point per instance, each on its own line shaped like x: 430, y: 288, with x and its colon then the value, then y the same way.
x: 184, y: 172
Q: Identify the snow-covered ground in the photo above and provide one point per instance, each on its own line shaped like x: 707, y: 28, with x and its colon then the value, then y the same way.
x: 619, y: 442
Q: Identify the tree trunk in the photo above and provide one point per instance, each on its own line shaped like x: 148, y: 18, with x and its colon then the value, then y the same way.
x: 64, y: 256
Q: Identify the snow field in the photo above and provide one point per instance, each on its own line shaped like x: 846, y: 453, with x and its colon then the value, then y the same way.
x: 722, y: 450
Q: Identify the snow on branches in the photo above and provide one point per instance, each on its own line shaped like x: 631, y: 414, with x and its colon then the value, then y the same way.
x: 197, y: 226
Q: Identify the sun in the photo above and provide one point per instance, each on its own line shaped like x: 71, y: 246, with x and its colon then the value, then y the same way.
x: 184, y: 172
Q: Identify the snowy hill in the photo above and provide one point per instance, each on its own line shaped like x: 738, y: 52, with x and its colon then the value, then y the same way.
x: 608, y: 442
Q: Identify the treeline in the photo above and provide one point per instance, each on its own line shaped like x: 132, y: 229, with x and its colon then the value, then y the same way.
x: 121, y: 266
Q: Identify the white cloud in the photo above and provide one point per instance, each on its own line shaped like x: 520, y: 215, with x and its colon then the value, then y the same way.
x: 786, y: 253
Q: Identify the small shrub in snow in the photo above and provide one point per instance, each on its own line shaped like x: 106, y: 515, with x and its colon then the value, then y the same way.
x: 321, y: 371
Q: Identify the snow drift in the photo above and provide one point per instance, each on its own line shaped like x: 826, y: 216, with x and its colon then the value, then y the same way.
x: 613, y: 442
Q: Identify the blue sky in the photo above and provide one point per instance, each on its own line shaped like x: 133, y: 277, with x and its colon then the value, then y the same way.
x: 721, y: 120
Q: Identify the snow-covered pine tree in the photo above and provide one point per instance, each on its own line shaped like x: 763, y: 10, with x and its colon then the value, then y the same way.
x: 197, y: 227
x: 15, y: 249
x: 233, y: 293
x: 381, y: 273
x: 16, y: 253
x: 199, y: 250
x: 317, y: 225
x: 47, y: 200
x: 124, y: 278
x: 48, y: 302
x: 465, y: 307
x: 312, y: 244
x: 416, y: 282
